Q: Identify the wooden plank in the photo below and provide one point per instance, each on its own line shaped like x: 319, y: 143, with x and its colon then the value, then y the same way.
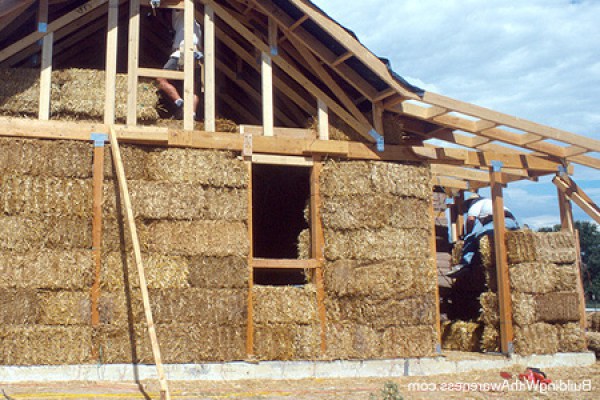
x: 118, y: 165
x: 566, y: 212
x: 318, y: 246
x: 433, y: 254
x: 377, y: 111
x: 97, y: 191
x: 188, y: 66
x: 297, y: 133
x: 504, y: 296
x: 210, y: 96
x: 282, y: 160
x: 112, y: 38
x: 267, y: 84
x: 161, y: 73
x: 46, y: 77
x: 579, y: 197
x: 323, y: 119
x: 284, y: 263
x: 250, y: 320
x: 133, y: 61
x: 52, y: 27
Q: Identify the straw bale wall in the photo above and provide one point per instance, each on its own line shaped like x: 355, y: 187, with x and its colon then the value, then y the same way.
x: 379, y: 275
x: 75, y: 94
x: 462, y: 335
x: 543, y: 282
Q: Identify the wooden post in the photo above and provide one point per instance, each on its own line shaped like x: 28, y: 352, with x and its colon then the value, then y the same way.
x: 504, y: 299
x: 377, y: 110
x: 454, y: 212
x: 323, y: 120
x: 111, y: 61
x: 118, y: 166
x: 188, y: 65
x: 209, y: 70
x: 459, y: 202
x: 267, y: 83
x: 250, y: 323
x: 46, y: 77
x: 132, y: 68
x: 433, y: 248
x: 580, y: 289
x: 566, y: 212
x: 318, y: 245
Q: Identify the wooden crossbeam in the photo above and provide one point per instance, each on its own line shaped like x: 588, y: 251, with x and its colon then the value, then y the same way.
x: 573, y: 192
x: 261, y: 263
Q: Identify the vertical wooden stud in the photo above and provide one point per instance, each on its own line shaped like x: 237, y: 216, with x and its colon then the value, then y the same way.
x: 323, y: 120
x: 580, y: 290
x: 433, y: 249
x: 267, y: 84
x: 120, y: 171
x: 504, y: 299
x: 318, y: 245
x: 459, y: 202
x: 209, y: 70
x: 566, y: 212
x: 133, y: 63
x: 250, y: 323
x: 377, y: 109
x: 111, y: 61
x: 46, y: 77
x: 188, y: 65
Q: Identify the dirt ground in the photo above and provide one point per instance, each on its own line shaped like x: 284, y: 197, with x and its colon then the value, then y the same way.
x: 570, y: 383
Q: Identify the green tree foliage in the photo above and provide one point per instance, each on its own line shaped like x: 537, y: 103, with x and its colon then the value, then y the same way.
x: 589, y: 241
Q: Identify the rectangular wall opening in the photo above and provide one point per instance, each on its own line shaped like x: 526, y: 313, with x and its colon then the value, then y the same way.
x: 280, y: 194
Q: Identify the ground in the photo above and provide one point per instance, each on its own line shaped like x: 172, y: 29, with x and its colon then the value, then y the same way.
x: 580, y: 380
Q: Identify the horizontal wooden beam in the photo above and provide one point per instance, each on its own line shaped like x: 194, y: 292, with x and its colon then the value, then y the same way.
x: 161, y: 73
x: 260, y: 263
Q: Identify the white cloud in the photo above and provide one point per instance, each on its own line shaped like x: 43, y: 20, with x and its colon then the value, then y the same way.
x: 535, y: 59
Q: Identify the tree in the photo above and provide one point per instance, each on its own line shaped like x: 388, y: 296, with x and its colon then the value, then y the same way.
x: 589, y: 242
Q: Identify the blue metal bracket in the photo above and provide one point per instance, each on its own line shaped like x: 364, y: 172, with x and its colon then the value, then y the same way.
x: 562, y: 171
x: 378, y: 140
x: 274, y: 51
x: 42, y: 27
x: 497, y: 166
x: 99, y: 139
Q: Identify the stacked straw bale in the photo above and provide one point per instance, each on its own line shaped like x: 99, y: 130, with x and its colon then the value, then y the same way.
x: 462, y: 335
x: 191, y: 210
x: 379, y: 275
x: 76, y: 94
x: 593, y: 339
x: 593, y: 321
x: 543, y: 283
x: 45, y: 258
x: 285, y: 322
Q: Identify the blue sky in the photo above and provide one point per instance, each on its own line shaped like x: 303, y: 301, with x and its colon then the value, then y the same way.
x: 535, y: 59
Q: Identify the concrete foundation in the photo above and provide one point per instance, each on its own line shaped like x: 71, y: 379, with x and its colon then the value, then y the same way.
x: 279, y: 370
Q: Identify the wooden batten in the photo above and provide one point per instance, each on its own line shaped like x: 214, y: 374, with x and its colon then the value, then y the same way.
x: 133, y: 61
x: 250, y: 320
x: 209, y: 70
x: 112, y: 38
x: 318, y: 247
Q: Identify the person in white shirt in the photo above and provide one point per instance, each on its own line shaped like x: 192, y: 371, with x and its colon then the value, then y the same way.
x: 479, y: 222
x: 175, y: 63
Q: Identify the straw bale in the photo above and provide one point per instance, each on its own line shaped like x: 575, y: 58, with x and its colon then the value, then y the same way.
x: 571, y: 338
x: 46, y: 269
x: 390, y: 279
x: 18, y: 306
x: 285, y: 304
x: 462, y: 335
x: 593, y: 321
x: 384, y: 244
x: 116, y: 235
x: 533, y: 277
x: 524, y: 309
x: 211, y: 306
x: 20, y: 233
x: 161, y: 271
x: 490, y: 339
x: 82, y: 95
x: 64, y: 308
x: 37, y: 157
x: 204, y: 167
x: 486, y: 251
x: 557, y: 307
x: 550, y: 247
x: 384, y: 313
x: 30, y: 195
x: 44, y: 345
x: 409, y: 341
x: 567, y: 277
x: 593, y: 340
x: 19, y: 92
x: 207, y: 238
x: 364, y: 177
x: 374, y: 211
x: 280, y: 341
x: 135, y: 159
x: 218, y: 272
x: 490, y: 311
x: 352, y: 341
x: 304, y: 244
x: 457, y: 252
x: 179, y: 343
x: 539, y: 338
